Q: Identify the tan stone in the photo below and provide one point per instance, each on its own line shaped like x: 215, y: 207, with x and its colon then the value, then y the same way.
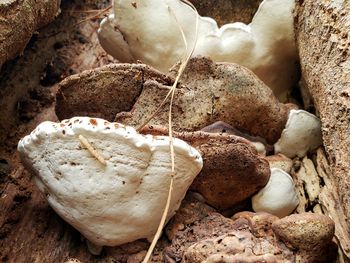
x: 233, y: 247
x: 209, y: 92
x: 255, y: 237
x: 311, y: 234
x: 261, y: 222
x: 214, y: 92
x: 245, y: 238
x: 104, y: 92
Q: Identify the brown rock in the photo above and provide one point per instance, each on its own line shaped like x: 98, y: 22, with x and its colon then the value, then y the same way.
x: 104, y: 92
x: 211, y: 225
x: 255, y: 237
x: 232, y: 171
x: 261, y: 222
x: 236, y: 246
x: 310, y: 233
x: 222, y: 127
x: 305, y: 231
x: 226, y: 11
x: 19, y: 20
x: 214, y: 92
x: 214, y: 238
x: 210, y: 92
x: 192, y: 209
x: 325, y: 65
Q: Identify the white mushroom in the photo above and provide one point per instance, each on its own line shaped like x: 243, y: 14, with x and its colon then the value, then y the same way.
x: 278, y: 197
x: 150, y: 31
x: 114, y: 202
x: 113, y: 41
x: 302, y: 134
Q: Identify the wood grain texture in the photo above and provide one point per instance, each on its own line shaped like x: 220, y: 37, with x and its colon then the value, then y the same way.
x: 322, y: 31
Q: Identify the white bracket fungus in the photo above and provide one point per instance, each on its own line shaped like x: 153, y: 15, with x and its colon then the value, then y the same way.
x: 278, y: 197
x: 302, y: 134
x: 115, y: 202
x: 150, y: 31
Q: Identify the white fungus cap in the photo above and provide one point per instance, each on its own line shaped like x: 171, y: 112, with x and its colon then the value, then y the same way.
x: 302, y: 134
x: 120, y: 201
x: 112, y: 40
x: 150, y: 31
x: 278, y: 197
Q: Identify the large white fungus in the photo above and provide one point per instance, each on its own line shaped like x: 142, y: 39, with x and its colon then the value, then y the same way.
x: 116, y: 202
x: 302, y: 134
x: 278, y: 197
x: 150, y: 31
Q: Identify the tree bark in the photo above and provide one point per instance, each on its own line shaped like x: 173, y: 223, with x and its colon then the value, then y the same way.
x: 19, y: 20
x: 323, y: 38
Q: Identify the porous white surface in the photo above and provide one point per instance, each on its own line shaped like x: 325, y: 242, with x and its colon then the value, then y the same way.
x: 151, y: 31
x: 278, y: 197
x: 302, y: 134
x: 115, y: 203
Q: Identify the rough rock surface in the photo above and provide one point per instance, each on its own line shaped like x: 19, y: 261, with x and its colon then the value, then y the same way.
x: 248, y: 237
x: 310, y: 234
x: 226, y: 92
x: 224, y: 128
x: 19, y: 20
x: 233, y: 170
x: 104, y: 93
x: 235, y: 176
x: 322, y: 29
x: 227, y: 11
x: 192, y: 227
x: 251, y: 241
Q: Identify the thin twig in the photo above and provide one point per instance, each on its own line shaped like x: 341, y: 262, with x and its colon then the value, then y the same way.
x: 181, y: 69
x: 162, y: 222
x: 91, y: 149
x: 171, y: 141
x: 93, y: 16
x: 101, y: 12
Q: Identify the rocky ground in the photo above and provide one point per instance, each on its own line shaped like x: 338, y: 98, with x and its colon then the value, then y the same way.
x: 215, y: 225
